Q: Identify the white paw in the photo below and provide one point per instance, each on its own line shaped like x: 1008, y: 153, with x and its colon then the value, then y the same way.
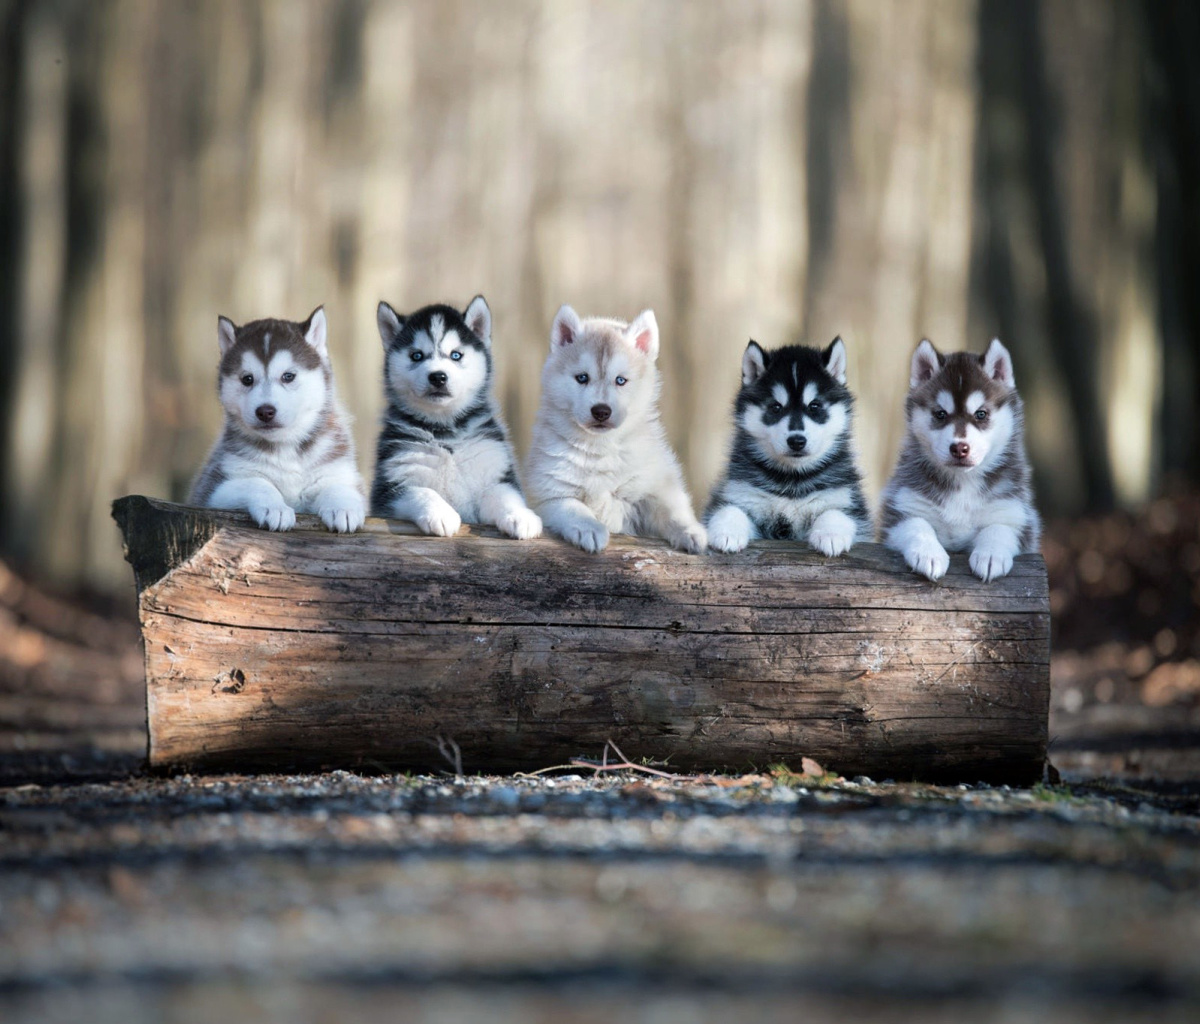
x: 441, y: 520
x: 831, y: 541
x: 928, y: 558
x: 342, y: 520
x: 589, y: 536
x: 989, y: 563
x: 728, y: 540
x: 729, y: 529
x: 273, y: 517
x: 521, y: 523
x: 692, y: 539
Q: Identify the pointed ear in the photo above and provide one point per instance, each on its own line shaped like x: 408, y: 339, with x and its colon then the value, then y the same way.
x: 390, y: 324
x: 754, y: 363
x: 226, y: 333
x: 997, y: 364
x: 315, y: 331
x: 926, y: 361
x: 479, y: 319
x: 566, y: 328
x: 835, y: 360
x: 642, y: 334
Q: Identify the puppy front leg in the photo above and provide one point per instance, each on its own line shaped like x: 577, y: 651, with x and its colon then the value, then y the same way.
x: 257, y: 496
x: 672, y: 519
x: 832, y: 532
x: 573, y: 521
x: 429, y: 510
x: 730, y: 529
x: 994, y: 550
x: 916, y: 540
x: 503, y: 506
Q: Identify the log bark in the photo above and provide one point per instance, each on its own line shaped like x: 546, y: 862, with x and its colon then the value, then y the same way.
x: 310, y: 650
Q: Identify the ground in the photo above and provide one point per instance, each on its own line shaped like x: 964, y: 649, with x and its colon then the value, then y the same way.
x: 620, y: 896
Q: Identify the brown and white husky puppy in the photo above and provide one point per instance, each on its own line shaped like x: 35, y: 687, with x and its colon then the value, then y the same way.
x: 962, y: 481
x: 286, y: 446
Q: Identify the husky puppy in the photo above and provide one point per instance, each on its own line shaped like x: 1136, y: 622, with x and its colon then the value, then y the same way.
x: 286, y: 446
x: 443, y: 454
x: 600, y: 461
x: 962, y: 479
x: 792, y: 471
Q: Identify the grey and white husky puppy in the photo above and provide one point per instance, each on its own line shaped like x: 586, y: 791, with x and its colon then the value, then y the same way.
x: 600, y: 461
x: 286, y: 446
x: 444, y: 455
x: 792, y: 470
x: 962, y: 481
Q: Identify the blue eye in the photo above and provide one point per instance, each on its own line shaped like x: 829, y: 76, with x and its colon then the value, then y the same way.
x: 416, y: 357
x: 288, y: 377
x: 456, y: 355
x: 582, y: 378
x: 621, y: 382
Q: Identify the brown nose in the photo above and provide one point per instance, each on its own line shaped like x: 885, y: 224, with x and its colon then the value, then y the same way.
x: 601, y: 412
x: 960, y: 449
x: 265, y: 413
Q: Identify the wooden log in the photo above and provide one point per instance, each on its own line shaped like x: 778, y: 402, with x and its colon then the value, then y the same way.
x: 305, y: 649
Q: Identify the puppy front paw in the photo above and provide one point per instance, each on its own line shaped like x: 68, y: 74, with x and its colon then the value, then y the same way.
x: 729, y: 530
x: 831, y: 541
x: 990, y: 563
x: 521, y: 523
x: 928, y: 558
x: 441, y: 520
x: 273, y: 517
x: 589, y: 536
x: 343, y: 520
x: 693, y: 539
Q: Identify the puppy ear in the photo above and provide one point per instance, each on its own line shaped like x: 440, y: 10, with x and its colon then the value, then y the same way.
x: 479, y: 319
x: 642, y: 334
x: 926, y: 361
x: 226, y: 333
x: 835, y: 359
x: 997, y: 364
x: 754, y: 363
x: 315, y: 331
x: 390, y: 324
x: 566, y: 327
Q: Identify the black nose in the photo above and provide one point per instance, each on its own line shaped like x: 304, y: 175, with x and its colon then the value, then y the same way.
x: 601, y: 412
x: 438, y: 378
x: 796, y: 442
x: 960, y: 449
x: 265, y: 413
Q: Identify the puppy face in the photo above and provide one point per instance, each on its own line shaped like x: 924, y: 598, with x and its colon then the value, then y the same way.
x: 961, y: 407
x: 600, y: 374
x: 794, y: 404
x: 437, y: 361
x: 274, y: 379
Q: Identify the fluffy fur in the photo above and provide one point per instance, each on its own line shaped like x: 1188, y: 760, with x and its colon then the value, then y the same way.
x: 444, y: 455
x: 286, y: 446
x: 792, y: 472
x: 962, y: 481
x: 600, y: 461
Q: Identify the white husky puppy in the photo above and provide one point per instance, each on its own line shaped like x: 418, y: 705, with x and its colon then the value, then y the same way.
x: 444, y: 455
x: 600, y: 461
x: 286, y: 446
x: 962, y: 481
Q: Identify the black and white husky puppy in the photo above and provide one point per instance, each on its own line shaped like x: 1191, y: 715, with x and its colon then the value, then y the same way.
x: 444, y: 455
x: 962, y: 481
x: 792, y: 470
x: 286, y: 446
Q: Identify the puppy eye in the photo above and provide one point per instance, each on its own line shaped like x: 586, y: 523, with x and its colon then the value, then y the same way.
x: 456, y: 355
x: 814, y: 407
x: 774, y: 407
x: 248, y: 379
x: 582, y: 378
x: 288, y: 377
x: 416, y: 357
x: 621, y: 382
x: 981, y: 414
x: 939, y: 415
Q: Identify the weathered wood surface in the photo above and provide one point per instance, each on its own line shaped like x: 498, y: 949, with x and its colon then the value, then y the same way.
x: 306, y: 649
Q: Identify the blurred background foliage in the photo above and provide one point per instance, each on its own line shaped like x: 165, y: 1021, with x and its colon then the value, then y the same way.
x: 879, y: 169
